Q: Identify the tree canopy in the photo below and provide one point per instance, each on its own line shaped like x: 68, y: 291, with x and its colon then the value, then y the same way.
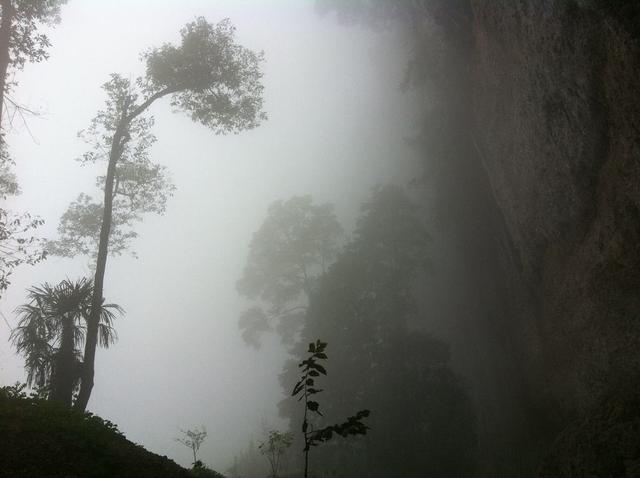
x: 17, y: 245
x: 20, y: 39
x: 20, y: 42
x: 295, y: 245
x: 215, y: 80
x: 51, y: 331
x: 209, y: 76
x: 140, y: 186
x: 365, y: 307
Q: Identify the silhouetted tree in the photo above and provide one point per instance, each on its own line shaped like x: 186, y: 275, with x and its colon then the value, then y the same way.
x: 17, y: 244
x: 249, y: 463
x: 192, y: 439
x: 366, y: 308
x: 51, y: 331
x: 20, y: 41
x: 274, y: 447
x: 294, y: 247
x: 217, y: 82
x: 305, y: 389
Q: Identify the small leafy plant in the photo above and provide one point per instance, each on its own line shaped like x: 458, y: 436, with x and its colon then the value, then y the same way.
x: 192, y: 439
x: 305, y: 389
x: 274, y: 447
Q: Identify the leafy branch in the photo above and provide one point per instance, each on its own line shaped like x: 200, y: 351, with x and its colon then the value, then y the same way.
x: 193, y: 439
x: 304, y: 389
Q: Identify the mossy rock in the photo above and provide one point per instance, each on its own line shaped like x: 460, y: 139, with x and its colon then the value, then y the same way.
x: 603, y: 444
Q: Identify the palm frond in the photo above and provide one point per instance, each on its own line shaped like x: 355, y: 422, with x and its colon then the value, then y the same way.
x: 47, y: 314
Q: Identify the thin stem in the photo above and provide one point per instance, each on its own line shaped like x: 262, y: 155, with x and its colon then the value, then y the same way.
x: 307, y: 446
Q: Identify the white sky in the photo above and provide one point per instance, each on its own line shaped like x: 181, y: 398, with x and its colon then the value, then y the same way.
x: 336, y: 127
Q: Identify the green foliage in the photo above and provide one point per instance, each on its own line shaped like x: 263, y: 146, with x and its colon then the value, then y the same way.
x: 305, y: 388
x: 248, y: 463
x: 140, y: 186
x: 366, y: 308
x: 50, y: 314
x: 274, y: 447
x: 26, y: 44
x: 293, y: 248
x: 17, y: 245
x: 48, y: 440
x: 208, y: 75
x: 199, y: 470
x: 215, y: 80
x: 192, y: 439
x: 21, y: 43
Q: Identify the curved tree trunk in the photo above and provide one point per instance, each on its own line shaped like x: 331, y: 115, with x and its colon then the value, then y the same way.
x: 91, y: 342
x: 117, y: 147
x: 8, y: 12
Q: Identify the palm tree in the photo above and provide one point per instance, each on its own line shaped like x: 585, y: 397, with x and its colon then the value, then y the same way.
x: 51, y: 333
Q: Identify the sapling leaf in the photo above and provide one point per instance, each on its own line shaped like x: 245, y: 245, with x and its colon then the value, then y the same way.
x: 305, y: 388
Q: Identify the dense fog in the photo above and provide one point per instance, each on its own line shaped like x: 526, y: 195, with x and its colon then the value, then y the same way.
x: 337, y: 125
x: 319, y: 238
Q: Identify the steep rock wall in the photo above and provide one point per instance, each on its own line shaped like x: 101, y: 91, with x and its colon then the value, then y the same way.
x: 557, y: 105
x: 556, y: 102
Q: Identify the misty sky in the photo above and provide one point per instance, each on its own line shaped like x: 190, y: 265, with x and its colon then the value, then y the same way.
x: 336, y: 127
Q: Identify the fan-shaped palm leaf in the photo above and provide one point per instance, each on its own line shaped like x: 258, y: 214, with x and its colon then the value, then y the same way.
x: 52, y: 312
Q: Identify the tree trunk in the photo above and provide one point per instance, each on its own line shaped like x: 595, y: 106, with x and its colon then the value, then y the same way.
x: 64, y: 373
x: 91, y: 341
x: 117, y: 147
x: 8, y: 12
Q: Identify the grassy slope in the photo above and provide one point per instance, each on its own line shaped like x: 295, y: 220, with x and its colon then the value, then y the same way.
x: 40, y: 439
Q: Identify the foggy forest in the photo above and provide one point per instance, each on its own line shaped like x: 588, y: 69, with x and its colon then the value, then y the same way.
x: 320, y: 238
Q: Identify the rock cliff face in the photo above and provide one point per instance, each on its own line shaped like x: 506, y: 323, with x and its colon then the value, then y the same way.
x: 557, y: 103
x: 556, y: 122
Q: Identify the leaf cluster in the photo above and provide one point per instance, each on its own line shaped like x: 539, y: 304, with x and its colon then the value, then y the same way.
x: 305, y: 388
x: 277, y: 442
x: 140, y: 186
x: 52, y: 311
x: 367, y: 309
x: 352, y: 426
x: 53, y: 441
x: 208, y: 75
x: 215, y: 80
x: 192, y: 439
x: 293, y: 248
x: 17, y: 245
x: 26, y: 44
x: 200, y: 470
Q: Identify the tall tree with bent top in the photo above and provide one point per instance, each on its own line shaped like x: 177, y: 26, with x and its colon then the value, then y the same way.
x: 217, y: 82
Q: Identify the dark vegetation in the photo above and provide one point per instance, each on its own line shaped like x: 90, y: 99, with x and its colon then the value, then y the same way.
x: 51, y: 332
x: 274, y: 447
x: 46, y: 439
x: 361, y: 299
x: 208, y: 76
x: 21, y: 42
x: 533, y: 107
x: 305, y: 390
